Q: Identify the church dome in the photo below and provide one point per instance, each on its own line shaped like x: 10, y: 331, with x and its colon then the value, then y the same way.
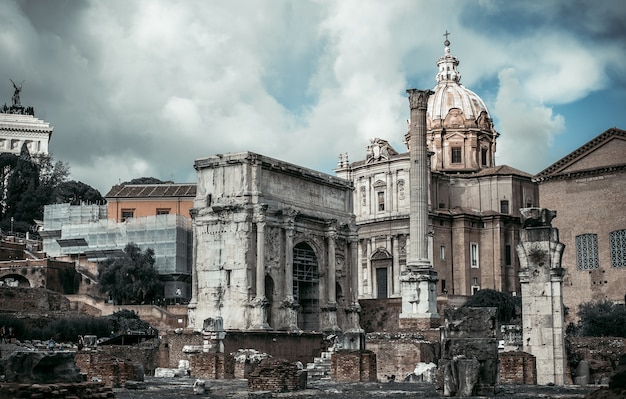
x: 452, y: 105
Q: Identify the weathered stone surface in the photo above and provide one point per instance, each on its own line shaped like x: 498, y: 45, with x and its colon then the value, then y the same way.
x: 42, y: 367
x: 469, y: 352
x: 276, y: 375
x: 465, y: 322
x: 541, y: 279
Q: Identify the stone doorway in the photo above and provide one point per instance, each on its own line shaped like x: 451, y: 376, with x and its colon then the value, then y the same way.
x: 306, y: 287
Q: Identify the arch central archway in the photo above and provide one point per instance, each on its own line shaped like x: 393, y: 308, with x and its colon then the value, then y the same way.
x: 306, y: 286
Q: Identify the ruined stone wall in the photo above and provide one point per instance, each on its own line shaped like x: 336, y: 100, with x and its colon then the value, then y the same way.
x: 353, y: 366
x: 32, y: 300
x: 211, y: 366
x: 398, y: 354
x: 77, y: 390
x: 380, y: 314
x: 277, y: 376
x: 292, y: 347
x: 112, y: 371
x: 518, y: 368
x: 117, y: 364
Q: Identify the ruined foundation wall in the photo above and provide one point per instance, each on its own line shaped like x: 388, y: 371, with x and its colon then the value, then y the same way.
x: 518, y: 368
x: 398, y: 354
x: 353, y: 366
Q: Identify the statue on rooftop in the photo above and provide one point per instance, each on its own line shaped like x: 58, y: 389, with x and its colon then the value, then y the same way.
x: 16, y: 93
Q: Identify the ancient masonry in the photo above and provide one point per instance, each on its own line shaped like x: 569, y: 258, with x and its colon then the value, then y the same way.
x: 541, y: 278
x: 419, y: 281
x: 275, y: 248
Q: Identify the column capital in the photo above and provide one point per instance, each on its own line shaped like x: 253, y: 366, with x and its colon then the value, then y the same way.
x: 418, y: 99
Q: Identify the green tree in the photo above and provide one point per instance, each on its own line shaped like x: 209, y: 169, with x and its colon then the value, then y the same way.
x: 30, y: 184
x: 75, y: 192
x: 505, y: 303
x: 144, y: 180
x: 23, y: 195
x: 131, y: 278
x: 602, y: 319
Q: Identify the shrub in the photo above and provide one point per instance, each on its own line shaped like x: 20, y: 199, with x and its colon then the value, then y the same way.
x: 602, y: 319
x: 505, y: 303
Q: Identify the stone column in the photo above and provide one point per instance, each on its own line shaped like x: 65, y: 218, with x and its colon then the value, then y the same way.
x: 419, y: 282
x: 395, y: 266
x: 260, y: 303
x: 193, y: 302
x: 289, y: 306
x: 331, y: 301
x: 541, y: 278
x: 353, y: 336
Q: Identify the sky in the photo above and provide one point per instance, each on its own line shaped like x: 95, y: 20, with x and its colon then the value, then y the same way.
x: 144, y: 88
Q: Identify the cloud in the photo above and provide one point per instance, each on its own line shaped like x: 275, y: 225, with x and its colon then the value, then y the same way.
x: 528, y: 127
x: 146, y: 87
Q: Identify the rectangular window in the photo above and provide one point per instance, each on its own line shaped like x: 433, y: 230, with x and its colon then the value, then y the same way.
x: 507, y: 255
x: 504, y: 206
x: 456, y: 155
x: 587, y: 251
x: 381, y: 200
x: 127, y: 214
x: 474, y: 254
x: 163, y: 211
x: 483, y: 156
x: 443, y: 287
x: 442, y: 252
x: 618, y: 248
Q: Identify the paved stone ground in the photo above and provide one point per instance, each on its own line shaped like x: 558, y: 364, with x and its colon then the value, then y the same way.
x: 182, y: 388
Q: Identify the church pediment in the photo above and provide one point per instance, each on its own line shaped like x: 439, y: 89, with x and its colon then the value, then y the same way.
x: 606, y: 150
x: 454, y: 135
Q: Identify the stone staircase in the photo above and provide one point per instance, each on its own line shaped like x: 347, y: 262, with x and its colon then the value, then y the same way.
x: 320, y: 368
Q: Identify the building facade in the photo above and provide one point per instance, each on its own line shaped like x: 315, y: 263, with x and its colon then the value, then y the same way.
x: 19, y: 127
x: 587, y: 189
x: 151, y: 217
x: 474, y: 204
x: 274, y: 247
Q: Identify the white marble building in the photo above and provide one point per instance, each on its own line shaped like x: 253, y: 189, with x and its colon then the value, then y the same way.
x: 18, y: 127
x: 274, y: 247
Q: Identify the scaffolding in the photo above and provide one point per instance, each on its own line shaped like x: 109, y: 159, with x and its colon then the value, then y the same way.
x: 86, y: 232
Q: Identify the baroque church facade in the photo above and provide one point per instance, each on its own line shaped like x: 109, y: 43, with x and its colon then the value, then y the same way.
x: 474, y: 205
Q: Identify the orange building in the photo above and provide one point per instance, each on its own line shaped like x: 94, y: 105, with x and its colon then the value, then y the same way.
x: 139, y: 200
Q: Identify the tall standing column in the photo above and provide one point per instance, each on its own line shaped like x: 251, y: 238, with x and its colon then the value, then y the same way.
x: 289, y: 306
x: 353, y: 336
x: 260, y: 303
x: 330, y: 309
x: 418, y: 283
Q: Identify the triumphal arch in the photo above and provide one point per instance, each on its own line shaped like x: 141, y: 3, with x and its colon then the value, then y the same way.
x: 275, y: 247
